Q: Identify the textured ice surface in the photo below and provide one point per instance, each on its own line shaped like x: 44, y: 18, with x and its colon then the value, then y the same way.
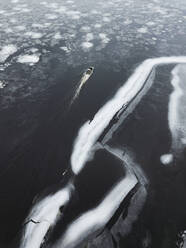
x: 87, y: 45
x: 166, y: 159
x: 127, y: 22
x: 6, y: 51
x: 177, y: 108
x: 79, y: 32
x: 2, y: 84
x: 28, y: 59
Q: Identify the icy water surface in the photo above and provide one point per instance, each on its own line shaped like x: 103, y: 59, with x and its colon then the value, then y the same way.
x: 45, y: 47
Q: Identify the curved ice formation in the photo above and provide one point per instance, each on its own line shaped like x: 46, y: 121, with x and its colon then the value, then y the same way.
x: 96, y: 218
x: 177, y: 109
x: 46, y: 213
x: 90, y: 132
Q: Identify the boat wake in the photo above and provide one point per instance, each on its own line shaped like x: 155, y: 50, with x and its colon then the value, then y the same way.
x: 86, y: 75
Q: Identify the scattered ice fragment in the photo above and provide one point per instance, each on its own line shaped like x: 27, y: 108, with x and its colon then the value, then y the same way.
x: 97, y: 25
x: 60, y: 10
x: 127, y: 22
x: 161, y: 11
x: 87, y: 45
x: 107, y: 14
x: 34, y: 35
x: 142, y: 30
x: 89, y: 36
x: 106, y: 19
x: 52, y: 5
x: 8, y: 30
x: 47, y: 24
x: 13, y: 20
x: 20, y: 28
x: 104, y: 38
x: 24, y: 5
x: 166, y: 158
x: 183, y: 140
x: 66, y: 49
x: 25, y: 10
x: 28, y: 59
x: 73, y: 14
x: 4, y: 66
x: 85, y: 29
x: 43, y: 3
x: 70, y: 1
x: 37, y: 25
x: 51, y: 16
x: 95, y: 12
x: 2, y: 84
x: 6, y: 51
x: 150, y: 23
x: 57, y: 36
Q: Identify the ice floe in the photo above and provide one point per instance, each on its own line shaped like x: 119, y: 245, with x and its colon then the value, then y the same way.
x: 51, y: 16
x: 8, y: 30
x: 2, y: 12
x: 57, y: 36
x: 13, y: 20
x: 2, y: 84
x: 86, y: 45
x: 106, y: 19
x: 89, y: 36
x: 104, y: 38
x: 20, y: 28
x: 43, y: 3
x: 37, y: 25
x: 98, y: 25
x: 6, y: 51
x: 34, y: 35
x: 142, y: 30
x: 85, y: 29
x: 75, y: 15
x: 28, y: 59
x: 166, y: 159
x: 61, y: 9
x: 66, y: 49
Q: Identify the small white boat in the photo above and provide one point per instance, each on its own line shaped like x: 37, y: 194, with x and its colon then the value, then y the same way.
x: 86, y: 76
